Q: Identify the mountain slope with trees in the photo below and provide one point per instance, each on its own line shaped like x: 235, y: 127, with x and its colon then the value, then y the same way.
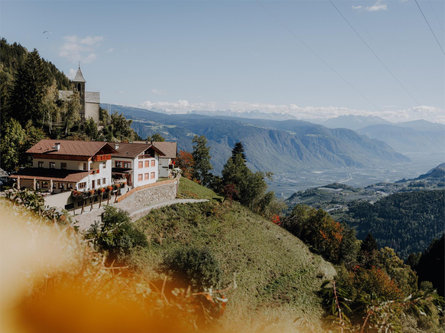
x: 277, y: 146
x: 31, y: 109
x: 407, y: 222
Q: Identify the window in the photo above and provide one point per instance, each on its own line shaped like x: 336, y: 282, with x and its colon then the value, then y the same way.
x: 98, y: 182
x: 63, y: 165
x: 140, y: 177
x: 104, y: 181
x: 70, y: 186
x: 44, y: 184
x: 82, y: 185
x: 40, y: 164
x: 118, y: 164
x: 61, y: 186
x: 147, y: 163
x: 85, y: 166
x: 127, y: 165
x: 153, y: 163
x: 52, y: 165
x: 152, y: 175
x: 146, y: 176
x: 140, y: 164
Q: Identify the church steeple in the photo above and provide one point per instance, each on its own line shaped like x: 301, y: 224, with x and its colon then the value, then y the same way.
x: 79, y: 86
x: 79, y: 76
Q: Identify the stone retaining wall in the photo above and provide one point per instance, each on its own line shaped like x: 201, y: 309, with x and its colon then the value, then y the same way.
x: 150, y: 194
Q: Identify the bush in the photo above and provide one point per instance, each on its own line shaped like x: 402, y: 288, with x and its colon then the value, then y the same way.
x: 195, y: 267
x: 115, y: 235
x: 334, y: 241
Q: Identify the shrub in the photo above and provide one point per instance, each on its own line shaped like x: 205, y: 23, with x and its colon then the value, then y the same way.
x: 115, y: 235
x: 196, y: 267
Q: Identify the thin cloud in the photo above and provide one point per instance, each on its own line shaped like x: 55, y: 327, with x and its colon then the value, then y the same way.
x: 77, y: 49
x: 378, y: 6
x: 394, y: 114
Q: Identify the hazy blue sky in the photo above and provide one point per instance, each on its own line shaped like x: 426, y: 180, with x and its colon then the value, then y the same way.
x: 299, y: 57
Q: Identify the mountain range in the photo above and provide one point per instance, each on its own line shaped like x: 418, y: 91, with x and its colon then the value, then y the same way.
x: 277, y: 146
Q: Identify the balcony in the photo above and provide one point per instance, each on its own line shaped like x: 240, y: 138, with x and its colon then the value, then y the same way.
x: 98, y: 158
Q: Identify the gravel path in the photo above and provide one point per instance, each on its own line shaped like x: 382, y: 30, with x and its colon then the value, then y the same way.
x: 85, y: 220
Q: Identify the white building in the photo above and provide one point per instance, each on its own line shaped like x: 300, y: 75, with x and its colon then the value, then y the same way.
x: 137, y: 163
x: 63, y: 165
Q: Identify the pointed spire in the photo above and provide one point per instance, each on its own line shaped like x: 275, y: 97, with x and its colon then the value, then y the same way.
x: 79, y: 76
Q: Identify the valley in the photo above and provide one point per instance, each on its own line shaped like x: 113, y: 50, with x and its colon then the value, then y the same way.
x: 300, y: 154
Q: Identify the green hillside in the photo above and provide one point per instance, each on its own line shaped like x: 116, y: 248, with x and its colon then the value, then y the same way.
x: 275, y: 273
x: 408, y: 221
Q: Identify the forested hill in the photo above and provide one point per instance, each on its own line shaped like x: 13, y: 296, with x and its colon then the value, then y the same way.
x: 408, y: 222
x: 31, y: 109
x: 277, y: 146
x: 12, y: 57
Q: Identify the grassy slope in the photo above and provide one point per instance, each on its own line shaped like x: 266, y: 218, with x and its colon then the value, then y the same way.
x: 192, y: 190
x: 275, y: 272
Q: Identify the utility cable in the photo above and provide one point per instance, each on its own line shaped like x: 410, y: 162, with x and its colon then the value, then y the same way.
x: 402, y: 86
x: 317, y: 55
x: 429, y: 26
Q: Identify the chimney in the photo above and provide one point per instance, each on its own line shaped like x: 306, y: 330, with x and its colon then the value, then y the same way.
x: 116, y: 146
x: 57, y: 146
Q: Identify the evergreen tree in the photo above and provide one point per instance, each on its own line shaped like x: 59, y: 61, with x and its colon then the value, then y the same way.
x: 201, y: 156
x: 238, y: 149
x: 431, y: 266
x: 11, y: 145
x: 30, y: 86
x: 249, y: 187
x: 367, y: 255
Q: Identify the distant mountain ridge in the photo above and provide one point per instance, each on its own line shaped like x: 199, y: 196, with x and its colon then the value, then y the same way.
x: 418, y: 136
x: 277, y: 146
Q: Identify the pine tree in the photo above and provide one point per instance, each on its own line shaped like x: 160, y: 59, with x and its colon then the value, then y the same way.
x: 201, y: 156
x: 14, y: 138
x: 29, y: 88
x: 238, y: 149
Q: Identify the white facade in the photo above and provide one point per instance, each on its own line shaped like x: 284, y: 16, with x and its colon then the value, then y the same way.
x: 99, y: 176
x: 99, y: 171
x: 92, y: 111
x: 145, y: 171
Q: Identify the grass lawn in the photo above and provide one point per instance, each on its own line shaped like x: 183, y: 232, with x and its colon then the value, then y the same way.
x: 188, y: 189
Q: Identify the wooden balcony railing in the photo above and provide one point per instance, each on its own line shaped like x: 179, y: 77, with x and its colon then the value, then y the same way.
x: 98, y: 158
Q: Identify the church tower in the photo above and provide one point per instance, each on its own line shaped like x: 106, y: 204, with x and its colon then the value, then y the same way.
x: 79, y: 86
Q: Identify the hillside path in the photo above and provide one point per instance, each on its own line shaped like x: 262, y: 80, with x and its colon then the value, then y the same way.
x: 85, y: 220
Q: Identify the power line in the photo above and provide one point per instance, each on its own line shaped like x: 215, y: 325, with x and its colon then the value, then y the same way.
x: 429, y: 26
x: 374, y: 53
x: 317, y: 55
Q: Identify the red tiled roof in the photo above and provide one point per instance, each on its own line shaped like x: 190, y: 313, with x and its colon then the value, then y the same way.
x: 72, y: 176
x: 69, y: 147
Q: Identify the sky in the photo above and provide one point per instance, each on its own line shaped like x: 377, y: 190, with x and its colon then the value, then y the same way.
x: 309, y: 59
